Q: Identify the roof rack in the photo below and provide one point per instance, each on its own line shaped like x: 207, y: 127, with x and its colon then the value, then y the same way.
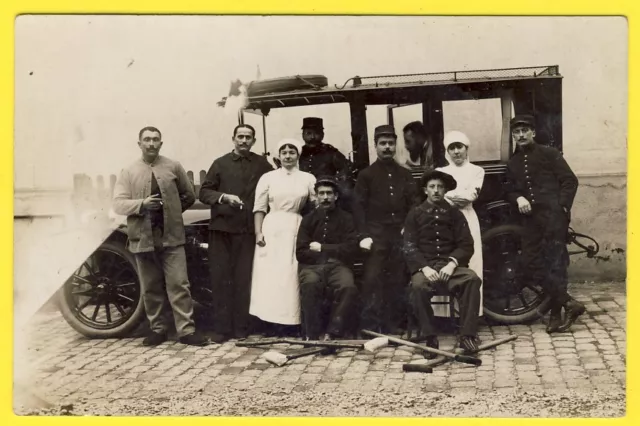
x: 372, y: 84
x: 453, y: 76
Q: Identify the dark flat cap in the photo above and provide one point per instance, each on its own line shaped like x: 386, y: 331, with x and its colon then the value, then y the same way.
x: 385, y: 129
x: 312, y: 123
x: 448, y: 180
x: 327, y: 180
x: 524, y: 119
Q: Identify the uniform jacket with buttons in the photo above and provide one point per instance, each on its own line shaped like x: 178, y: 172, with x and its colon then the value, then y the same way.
x: 324, y: 160
x: 385, y: 192
x: 336, y: 232
x: 435, y: 233
x: 542, y: 176
x: 134, y: 185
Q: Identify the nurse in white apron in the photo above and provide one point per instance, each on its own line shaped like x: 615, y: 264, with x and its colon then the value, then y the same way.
x: 280, y: 196
x: 469, y: 178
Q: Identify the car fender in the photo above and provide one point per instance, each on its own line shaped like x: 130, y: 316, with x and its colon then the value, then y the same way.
x: 496, y: 213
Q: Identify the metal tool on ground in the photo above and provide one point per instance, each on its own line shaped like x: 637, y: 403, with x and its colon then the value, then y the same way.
x: 280, y: 359
x: 457, y: 357
x: 427, y: 367
x: 369, y: 345
x: 326, y: 344
x: 419, y: 368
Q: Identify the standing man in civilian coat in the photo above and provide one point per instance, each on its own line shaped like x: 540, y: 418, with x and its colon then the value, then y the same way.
x: 542, y: 185
x: 384, y: 192
x: 153, y: 192
x: 229, y: 188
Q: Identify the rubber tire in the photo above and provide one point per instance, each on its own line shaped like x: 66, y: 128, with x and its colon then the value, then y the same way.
x: 285, y: 84
x: 526, y: 317
x: 123, y: 330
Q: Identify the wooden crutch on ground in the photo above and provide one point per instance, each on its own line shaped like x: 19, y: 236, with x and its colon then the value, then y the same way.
x: 370, y: 345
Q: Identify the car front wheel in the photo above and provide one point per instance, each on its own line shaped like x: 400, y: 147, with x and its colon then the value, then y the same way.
x: 102, y: 299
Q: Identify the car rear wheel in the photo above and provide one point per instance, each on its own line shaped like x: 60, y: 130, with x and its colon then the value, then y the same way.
x: 507, y: 299
x: 102, y: 299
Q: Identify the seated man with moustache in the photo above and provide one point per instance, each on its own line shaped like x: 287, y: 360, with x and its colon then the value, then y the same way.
x: 326, y: 244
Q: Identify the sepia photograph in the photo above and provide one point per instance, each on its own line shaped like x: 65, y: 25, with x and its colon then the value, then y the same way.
x: 320, y: 216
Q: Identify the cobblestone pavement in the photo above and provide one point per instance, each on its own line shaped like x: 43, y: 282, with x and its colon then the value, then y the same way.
x: 120, y: 376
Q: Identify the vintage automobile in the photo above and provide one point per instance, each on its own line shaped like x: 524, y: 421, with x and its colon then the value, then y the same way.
x: 102, y: 298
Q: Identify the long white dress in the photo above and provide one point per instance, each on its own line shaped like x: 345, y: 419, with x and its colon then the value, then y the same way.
x: 275, y: 293
x: 469, y: 179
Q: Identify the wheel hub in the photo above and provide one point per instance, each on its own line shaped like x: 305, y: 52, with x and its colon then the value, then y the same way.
x: 103, y: 287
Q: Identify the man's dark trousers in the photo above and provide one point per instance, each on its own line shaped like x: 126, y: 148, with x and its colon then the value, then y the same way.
x: 464, y: 284
x: 326, y: 289
x: 385, y: 280
x: 544, y: 251
x: 230, y: 264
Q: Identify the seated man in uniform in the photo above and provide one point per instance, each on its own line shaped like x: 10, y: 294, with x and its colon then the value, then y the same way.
x: 437, y: 248
x: 326, y: 244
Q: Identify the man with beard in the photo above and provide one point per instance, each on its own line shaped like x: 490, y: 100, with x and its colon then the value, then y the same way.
x: 229, y: 188
x: 323, y: 159
x: 437, y: 248
x: 542, y: 185
x: 153, y: 192
x: 325, y: 247
x: 384, y: 192
x: 419, y: 148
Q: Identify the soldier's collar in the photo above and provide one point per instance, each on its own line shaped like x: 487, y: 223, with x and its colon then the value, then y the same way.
x: 429, y: 206
x: 314, y: 148
x: 235, y: 156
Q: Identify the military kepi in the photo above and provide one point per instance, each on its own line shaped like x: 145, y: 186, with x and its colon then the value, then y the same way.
x: 312, y: 123
x: 385, y: 129
x: 327, y: 180
x: 523, y: 119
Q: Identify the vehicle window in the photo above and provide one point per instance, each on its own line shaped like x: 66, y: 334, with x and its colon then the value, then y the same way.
x: 481, y: 121
x: 376, y: 115
x: 287, y: 122
x: 402, y: 116
x: 255, y: 121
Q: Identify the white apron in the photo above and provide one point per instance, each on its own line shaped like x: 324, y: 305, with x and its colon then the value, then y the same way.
x: 275, y: 295
x: 468, y: 177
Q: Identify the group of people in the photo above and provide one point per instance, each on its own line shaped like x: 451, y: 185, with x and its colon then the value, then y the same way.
x: 283, y: 242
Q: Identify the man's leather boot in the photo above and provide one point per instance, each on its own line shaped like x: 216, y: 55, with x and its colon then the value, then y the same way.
x: 555, y: 319
x: 572, y: 310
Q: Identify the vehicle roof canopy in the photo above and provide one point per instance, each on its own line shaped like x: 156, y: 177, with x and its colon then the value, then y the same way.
x: 407, y: 88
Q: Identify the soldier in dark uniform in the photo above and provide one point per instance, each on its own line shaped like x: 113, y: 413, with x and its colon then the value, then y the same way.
x: 322, y: 159
x: 543, y: 186
x: 326, y: 245
x: 437, y: 248
x: 384, y: 192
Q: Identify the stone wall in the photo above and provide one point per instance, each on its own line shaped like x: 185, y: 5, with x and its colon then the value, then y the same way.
x: 600, y: 211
